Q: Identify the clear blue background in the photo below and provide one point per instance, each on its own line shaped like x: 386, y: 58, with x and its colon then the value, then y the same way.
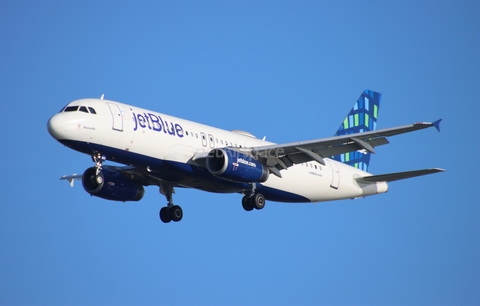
x: 282, y: 69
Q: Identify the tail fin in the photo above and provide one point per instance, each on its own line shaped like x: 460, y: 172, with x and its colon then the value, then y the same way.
x: 361, y: 118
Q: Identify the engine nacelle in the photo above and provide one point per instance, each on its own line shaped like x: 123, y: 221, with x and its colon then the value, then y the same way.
x: 111, y: 185
x: 235, y: 166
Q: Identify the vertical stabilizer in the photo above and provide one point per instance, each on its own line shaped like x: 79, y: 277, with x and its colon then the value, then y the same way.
x: 361, y: 118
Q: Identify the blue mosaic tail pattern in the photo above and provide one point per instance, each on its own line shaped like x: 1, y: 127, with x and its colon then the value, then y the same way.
x: 362, y: 118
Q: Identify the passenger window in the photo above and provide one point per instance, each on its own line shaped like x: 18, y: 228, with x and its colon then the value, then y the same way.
x: 71, y: 109
x: 83, y: 109
x: 92, y: 111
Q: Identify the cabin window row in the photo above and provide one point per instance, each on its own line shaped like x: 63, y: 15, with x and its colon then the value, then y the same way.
x: 212, y: 140
x: 311, y: 166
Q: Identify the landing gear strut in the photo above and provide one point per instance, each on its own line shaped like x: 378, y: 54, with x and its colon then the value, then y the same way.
x: 171, y: 212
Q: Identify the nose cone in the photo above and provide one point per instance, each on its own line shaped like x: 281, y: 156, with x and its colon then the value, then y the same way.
x: 57, y: 126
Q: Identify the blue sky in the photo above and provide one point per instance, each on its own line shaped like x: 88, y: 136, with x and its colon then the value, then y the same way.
x: 282, y: 69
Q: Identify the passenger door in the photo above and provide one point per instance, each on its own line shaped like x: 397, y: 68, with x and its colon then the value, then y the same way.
x: 117, y: 116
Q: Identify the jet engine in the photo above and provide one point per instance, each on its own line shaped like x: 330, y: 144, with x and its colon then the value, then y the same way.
x: 235, y: 166
x: 111, y: 185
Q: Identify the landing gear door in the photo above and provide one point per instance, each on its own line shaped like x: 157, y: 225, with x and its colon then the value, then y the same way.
x: 117, y: 116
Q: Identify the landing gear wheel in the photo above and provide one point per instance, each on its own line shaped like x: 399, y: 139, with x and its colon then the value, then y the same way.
x: 258, y: 201
x: 176, y: 213
x: 247, y: 203
x: 165, y: 215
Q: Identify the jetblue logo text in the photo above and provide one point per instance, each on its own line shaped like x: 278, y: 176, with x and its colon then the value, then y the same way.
x: 155, y: 123
x: 246, y: 162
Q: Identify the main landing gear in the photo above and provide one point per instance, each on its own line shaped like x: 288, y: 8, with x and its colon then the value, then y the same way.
x: 253, y: 199
x: 171, y: 212
x: 257, y: 201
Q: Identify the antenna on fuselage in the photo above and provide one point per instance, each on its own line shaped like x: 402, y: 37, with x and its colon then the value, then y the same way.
x: 101, y: 98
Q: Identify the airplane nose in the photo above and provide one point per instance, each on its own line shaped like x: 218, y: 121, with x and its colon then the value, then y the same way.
x: 57, y: 126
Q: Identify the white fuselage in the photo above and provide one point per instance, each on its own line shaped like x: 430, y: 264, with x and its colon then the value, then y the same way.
x: 165, y: 145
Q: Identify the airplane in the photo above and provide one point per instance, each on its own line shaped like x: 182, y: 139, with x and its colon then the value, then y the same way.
x: 169, y: 152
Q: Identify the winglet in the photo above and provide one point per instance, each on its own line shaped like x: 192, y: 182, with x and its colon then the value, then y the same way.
x: 436, y: 124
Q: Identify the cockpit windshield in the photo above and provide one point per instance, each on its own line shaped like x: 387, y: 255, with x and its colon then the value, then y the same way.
x: 71, y: 109
x: 85, y: 109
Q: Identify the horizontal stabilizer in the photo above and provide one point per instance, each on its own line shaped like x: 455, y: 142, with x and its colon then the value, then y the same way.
x: 398, y: 175
x: 72, y: 178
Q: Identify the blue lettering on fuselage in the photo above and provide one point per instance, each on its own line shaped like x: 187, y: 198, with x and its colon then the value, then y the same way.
x: 156, y: 123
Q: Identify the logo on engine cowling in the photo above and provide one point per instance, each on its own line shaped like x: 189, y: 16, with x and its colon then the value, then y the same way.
x: 246, y: 162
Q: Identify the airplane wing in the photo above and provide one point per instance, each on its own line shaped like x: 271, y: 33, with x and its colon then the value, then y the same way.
x: 142, y: 176
x: 282, y: 156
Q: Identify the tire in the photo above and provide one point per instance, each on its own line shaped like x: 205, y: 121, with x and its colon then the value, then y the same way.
x: 247, y: 203
x: 165, y: 215
x: 258, y: 201
x: 176, y: 213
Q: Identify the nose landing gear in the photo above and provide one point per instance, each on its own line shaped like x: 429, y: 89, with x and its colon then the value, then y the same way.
x: 98, y: 159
